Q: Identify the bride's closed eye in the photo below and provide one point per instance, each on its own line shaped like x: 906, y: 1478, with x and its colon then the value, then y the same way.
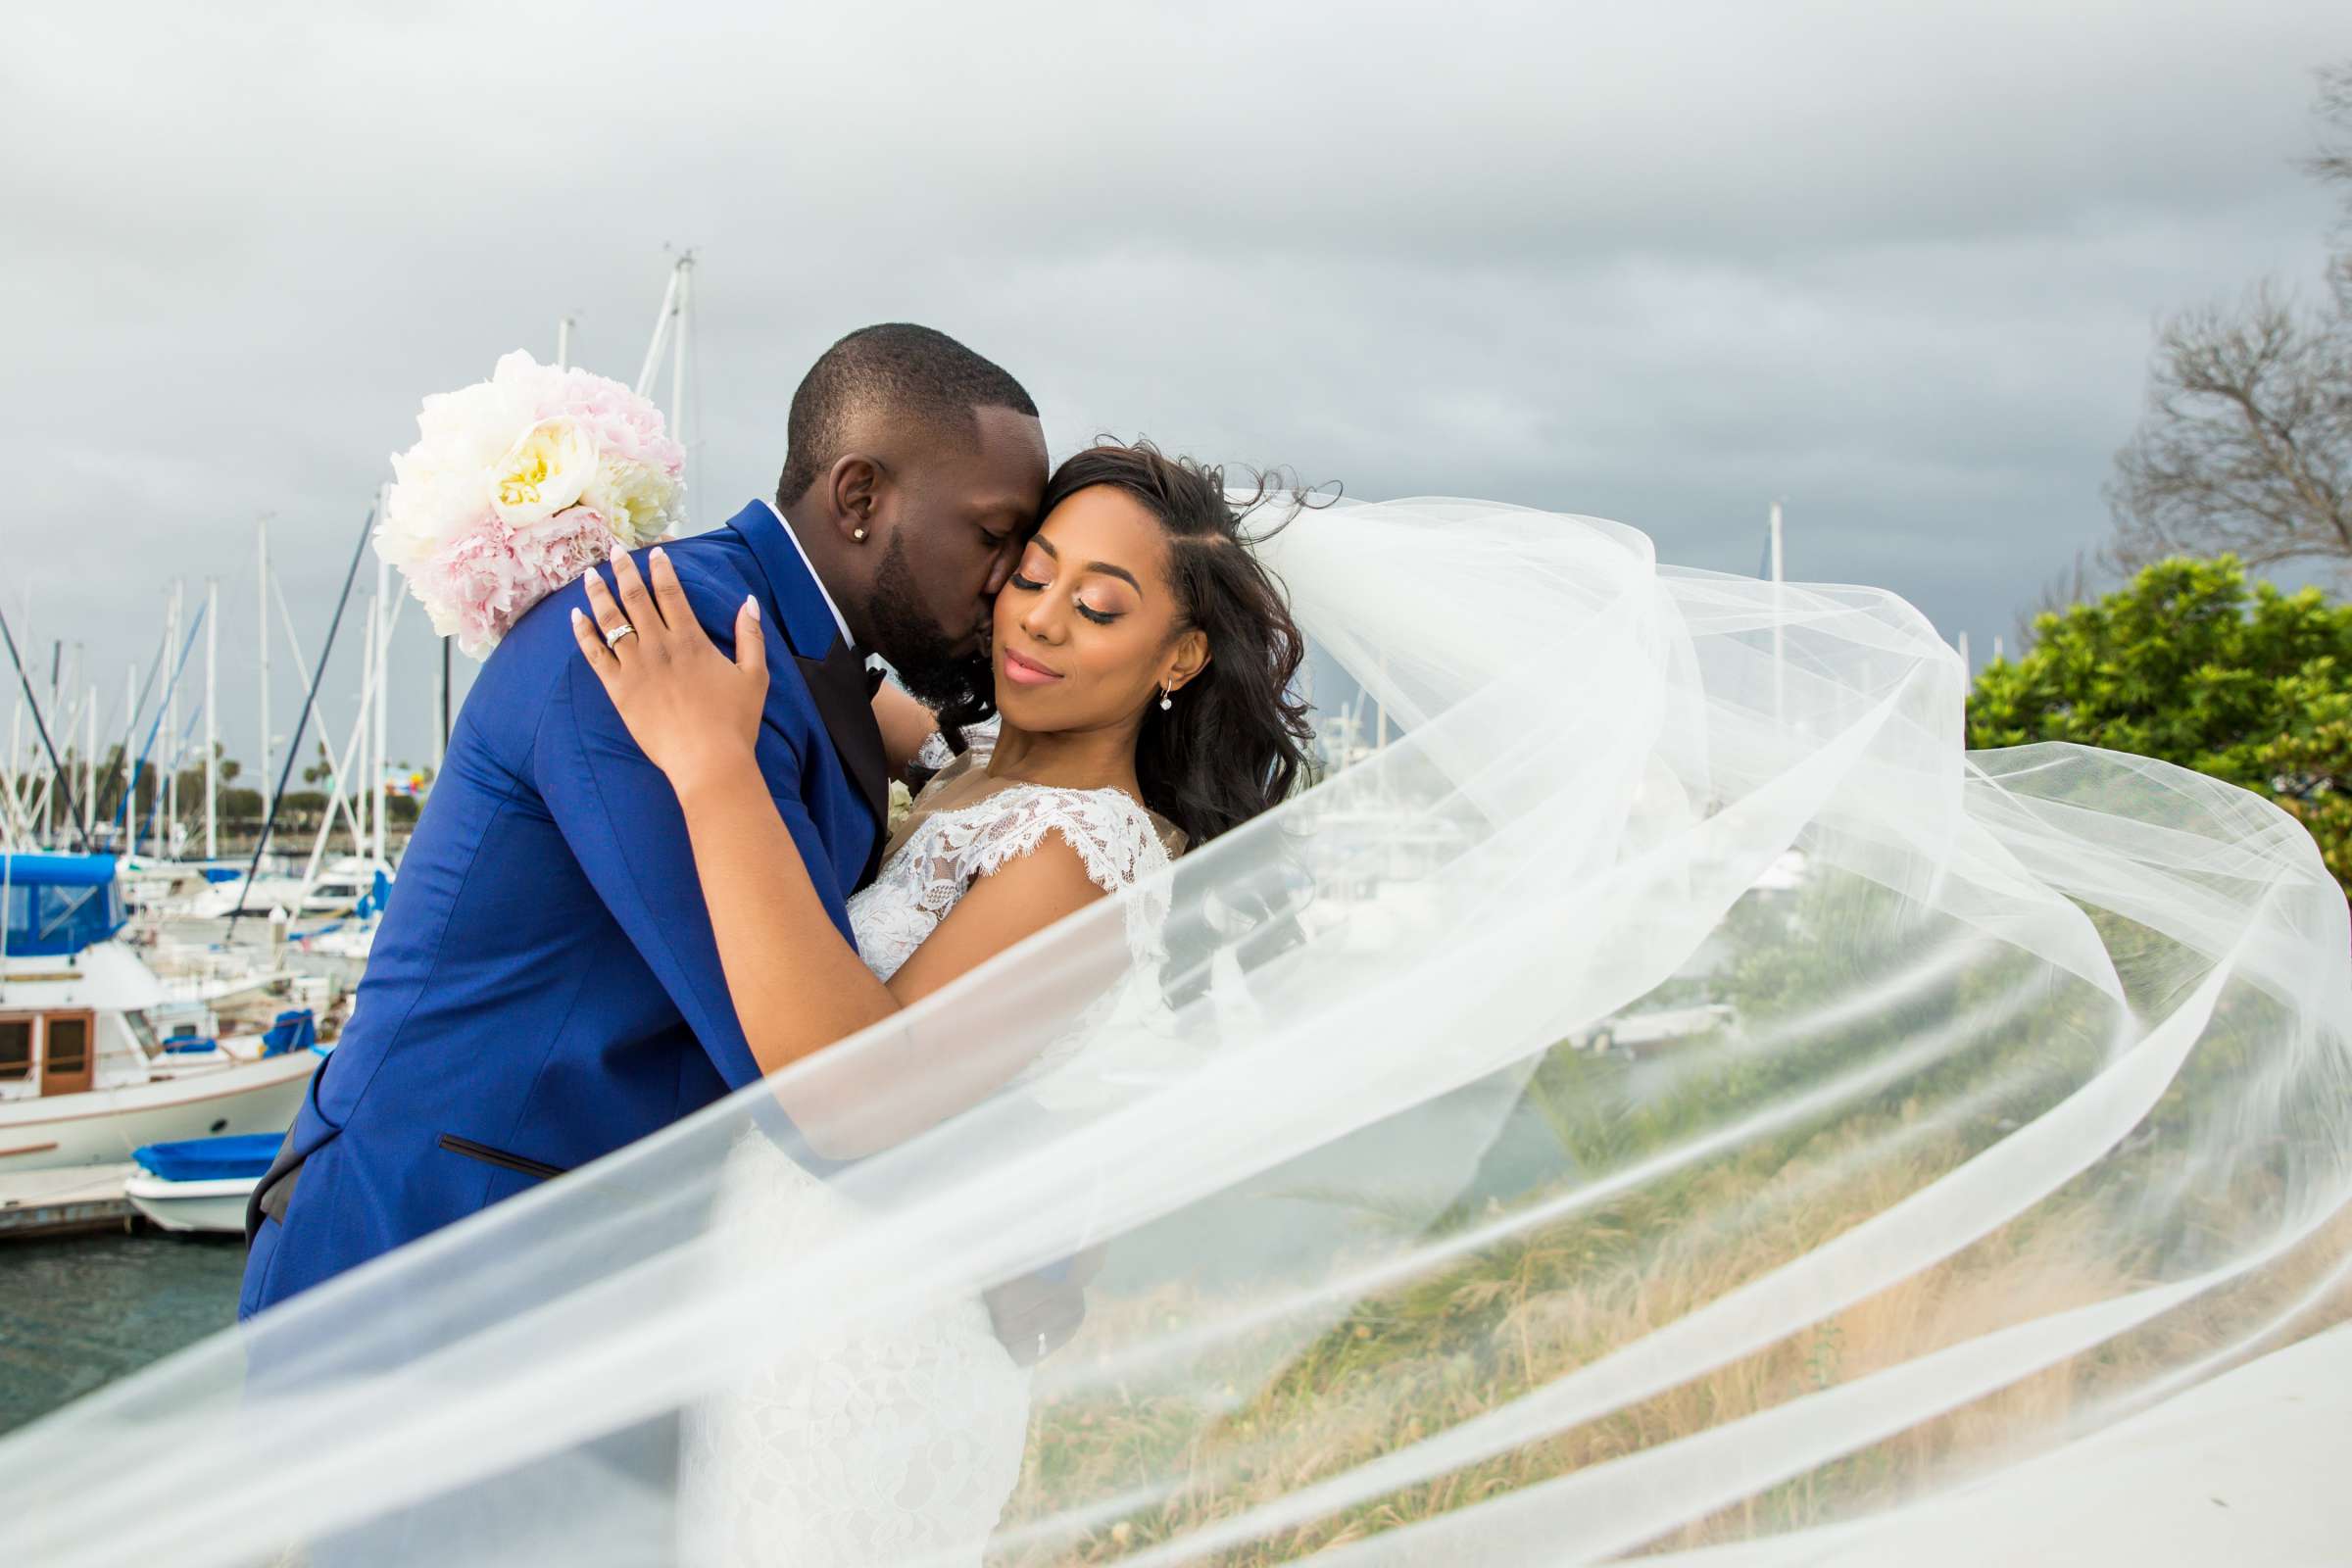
x: 1036, y: 571
x: 1030, y: 585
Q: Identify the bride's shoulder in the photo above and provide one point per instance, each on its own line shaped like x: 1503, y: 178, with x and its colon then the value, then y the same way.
x: 1111, y: 833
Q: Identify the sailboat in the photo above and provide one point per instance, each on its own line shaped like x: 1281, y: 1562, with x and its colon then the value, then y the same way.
x: 98, y: 1055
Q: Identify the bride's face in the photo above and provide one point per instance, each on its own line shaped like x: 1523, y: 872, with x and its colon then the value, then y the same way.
x: 1087, y: 627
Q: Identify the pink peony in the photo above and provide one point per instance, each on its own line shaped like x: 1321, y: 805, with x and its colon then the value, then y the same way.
x: 623, y: 423
x: 469, y: 536
x: 474, y: 587
x: 563, y: 548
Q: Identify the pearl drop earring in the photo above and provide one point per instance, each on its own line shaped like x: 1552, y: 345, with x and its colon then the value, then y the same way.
x: 1166, y: 701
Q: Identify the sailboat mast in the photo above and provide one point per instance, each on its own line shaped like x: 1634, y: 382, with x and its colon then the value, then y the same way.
x: 130, y: 777
x: 1779, y: 611
x: 211, y: 695
x: 90, y: 769
x: 261, y: 600
x: 49, y: 802
x: 670, y: 336
x: 653, y: 350
x: 382, y: 696
x: 169, y: 755
x: 9, y: 827
x: 371, y: 653
x: 677, y: 357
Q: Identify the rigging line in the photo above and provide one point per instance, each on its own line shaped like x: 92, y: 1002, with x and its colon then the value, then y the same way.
x: 130, y: 722
x: 69, y: 721
x: 344, y: 794
x: 173, y: 759
x: 147, y: 746
x: 41, y: 727
x: 693, y: 341
x: 302, y: 721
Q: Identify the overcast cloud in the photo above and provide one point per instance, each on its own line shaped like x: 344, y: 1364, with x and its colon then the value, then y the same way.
x: 1897, y: 265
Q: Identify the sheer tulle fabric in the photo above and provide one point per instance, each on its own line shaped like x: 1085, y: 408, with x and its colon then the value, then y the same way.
x: 1673, y: 1094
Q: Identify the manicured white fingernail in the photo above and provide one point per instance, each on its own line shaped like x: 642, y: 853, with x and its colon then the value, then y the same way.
x: 578, y: 615
x: 752, y: 604
x: 660, y: 554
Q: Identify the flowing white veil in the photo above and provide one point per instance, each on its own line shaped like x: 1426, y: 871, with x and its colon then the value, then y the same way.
x: 1673, y: 1094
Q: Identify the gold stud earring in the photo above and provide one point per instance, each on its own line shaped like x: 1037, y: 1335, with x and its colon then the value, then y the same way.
x: 857, y: 534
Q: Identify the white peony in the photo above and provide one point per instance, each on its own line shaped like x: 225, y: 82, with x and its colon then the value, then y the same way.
x: 439, y: 484
x: 543, y: 473
x: 638, y: 502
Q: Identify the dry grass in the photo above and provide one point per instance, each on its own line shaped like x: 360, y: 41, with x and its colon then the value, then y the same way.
x: 1488, y: 1329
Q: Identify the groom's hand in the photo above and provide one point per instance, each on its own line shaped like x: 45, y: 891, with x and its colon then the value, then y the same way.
x: 1036, y: 1314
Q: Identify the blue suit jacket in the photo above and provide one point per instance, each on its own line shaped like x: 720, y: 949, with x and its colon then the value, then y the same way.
x: 544, y: 987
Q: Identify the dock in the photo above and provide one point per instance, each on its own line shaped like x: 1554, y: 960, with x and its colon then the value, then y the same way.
x: 52, y: 1203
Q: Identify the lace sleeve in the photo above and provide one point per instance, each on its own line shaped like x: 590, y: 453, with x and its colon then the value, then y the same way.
x: 1113, y: 837
x: 979, y: 739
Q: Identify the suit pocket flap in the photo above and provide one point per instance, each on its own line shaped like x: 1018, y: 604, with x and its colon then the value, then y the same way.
x: 499, y: 1156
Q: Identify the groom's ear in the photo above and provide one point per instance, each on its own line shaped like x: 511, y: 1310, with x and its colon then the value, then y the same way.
x: 854, y: 486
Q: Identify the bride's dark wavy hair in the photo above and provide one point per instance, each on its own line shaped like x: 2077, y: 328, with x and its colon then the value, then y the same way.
x: 1238, y: 739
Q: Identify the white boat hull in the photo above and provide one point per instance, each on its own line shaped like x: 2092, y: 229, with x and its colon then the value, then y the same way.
x: 104, y: 1126
x: 215, y: 1205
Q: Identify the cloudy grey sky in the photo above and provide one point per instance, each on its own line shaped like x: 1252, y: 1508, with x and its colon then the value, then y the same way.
x: 1897, y: 265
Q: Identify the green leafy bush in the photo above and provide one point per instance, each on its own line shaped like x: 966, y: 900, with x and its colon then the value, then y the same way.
x: 2191, y: 663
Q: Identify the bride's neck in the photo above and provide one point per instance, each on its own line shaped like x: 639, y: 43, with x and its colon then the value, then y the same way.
x: 1068, y: 758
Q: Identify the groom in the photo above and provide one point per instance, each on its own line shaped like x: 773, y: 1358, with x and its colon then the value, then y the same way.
x: 543, y: 988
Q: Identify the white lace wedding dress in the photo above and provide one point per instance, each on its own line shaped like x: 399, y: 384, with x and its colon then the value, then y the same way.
x: 901, y: 1441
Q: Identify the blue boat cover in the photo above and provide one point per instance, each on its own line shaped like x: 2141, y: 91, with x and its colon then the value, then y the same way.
x: 294, y: 1030
x: 372, y: 902
x: 211, y: 1159
x: 184, y: 1043
x: 57, y: 904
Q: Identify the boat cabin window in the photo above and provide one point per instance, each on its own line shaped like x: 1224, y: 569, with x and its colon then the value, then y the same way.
x: 16, y: 1049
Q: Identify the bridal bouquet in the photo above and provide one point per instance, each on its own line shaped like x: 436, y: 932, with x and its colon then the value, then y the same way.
x: 517, y: 485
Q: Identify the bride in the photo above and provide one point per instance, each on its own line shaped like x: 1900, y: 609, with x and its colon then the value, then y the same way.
x: 1141, y: 661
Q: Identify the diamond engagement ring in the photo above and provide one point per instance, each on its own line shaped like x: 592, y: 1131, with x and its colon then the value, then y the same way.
x: 624, y: 629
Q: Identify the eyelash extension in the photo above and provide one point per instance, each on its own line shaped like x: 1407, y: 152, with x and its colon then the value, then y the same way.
x: 1023, y: 583
x: 1096, y: 615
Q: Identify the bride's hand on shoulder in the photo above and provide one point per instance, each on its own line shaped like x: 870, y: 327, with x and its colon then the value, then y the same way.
x: 693, y: 711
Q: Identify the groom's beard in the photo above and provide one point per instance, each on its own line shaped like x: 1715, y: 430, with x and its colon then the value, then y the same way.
x: 919, y: 651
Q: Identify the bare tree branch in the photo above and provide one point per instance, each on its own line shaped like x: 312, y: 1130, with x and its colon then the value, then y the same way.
x: 2334, y: 160
x: 2247, y: 444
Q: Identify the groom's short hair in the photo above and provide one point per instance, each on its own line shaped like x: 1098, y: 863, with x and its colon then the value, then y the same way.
x: 909, y: 373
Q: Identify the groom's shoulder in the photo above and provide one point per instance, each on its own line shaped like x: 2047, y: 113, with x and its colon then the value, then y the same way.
x: 718, y: 559
x: 712, y: 567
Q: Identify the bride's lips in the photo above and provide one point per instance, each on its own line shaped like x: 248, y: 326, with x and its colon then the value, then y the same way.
x: 1027, y: 671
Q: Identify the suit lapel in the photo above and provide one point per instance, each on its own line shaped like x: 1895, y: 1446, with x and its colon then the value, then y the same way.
x: 838, y: 683
x: 835, y: 673
x: 795, y: 597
